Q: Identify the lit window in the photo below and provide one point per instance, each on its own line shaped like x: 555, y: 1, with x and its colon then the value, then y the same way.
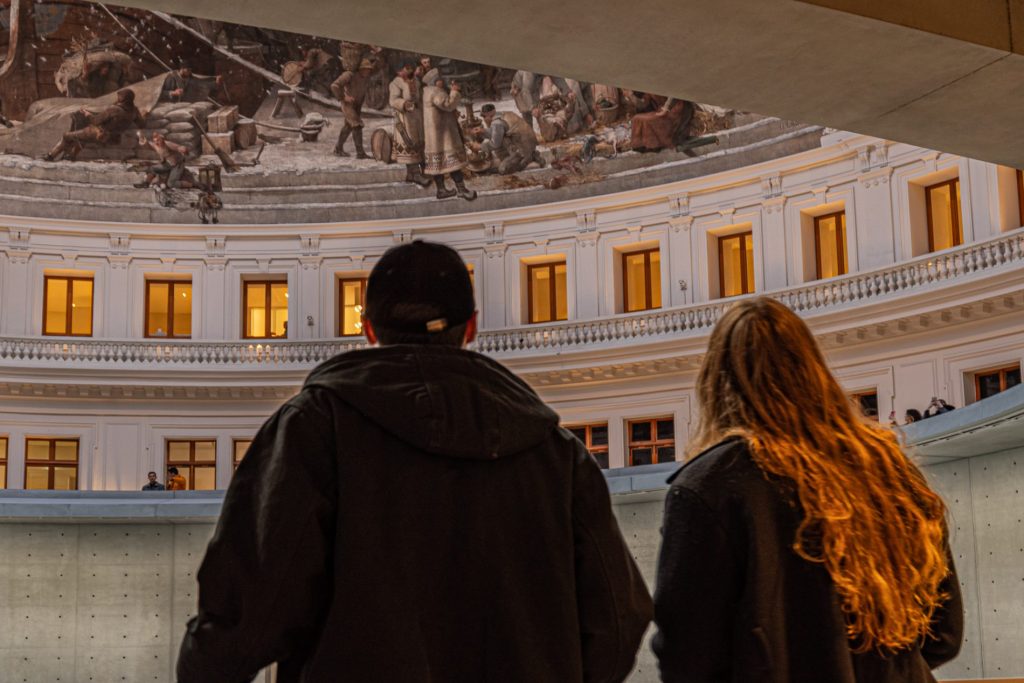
x: 651, y: 441
x: 736, y: 264
x: 942, y: 201
x: 3, y: 462
x: 992, y: 382
x: 641, y: 280
x: 1020, y: 194
x: 830, y: 244
x: 352, y: 295
x: 51, y: 464
x: 595, y: 438
x: 67, y: 303
x: 168, y: 308
x: 239, y: 448
x: 867, y: 401
x: 546, y: 292
x: 196, y: 461
x: 472, y: 275
x: 266, y: 309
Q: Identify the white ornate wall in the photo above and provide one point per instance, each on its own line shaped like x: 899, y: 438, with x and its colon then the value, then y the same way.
x: 910, y: 325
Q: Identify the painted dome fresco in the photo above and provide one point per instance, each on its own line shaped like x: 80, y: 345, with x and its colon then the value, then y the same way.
x: 125, y: 115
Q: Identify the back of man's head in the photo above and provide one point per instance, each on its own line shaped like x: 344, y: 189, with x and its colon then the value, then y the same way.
x: 420, y: 293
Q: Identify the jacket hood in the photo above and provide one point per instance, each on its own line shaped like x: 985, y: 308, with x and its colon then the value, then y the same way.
x: 442, y: 400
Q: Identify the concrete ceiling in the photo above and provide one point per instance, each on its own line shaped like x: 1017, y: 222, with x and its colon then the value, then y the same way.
x: 943, y: 74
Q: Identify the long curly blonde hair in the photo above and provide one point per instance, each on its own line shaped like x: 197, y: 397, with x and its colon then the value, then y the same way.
x: 868, y: 515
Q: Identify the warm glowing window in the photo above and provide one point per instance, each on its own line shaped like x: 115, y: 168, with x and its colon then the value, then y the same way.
x: 266, y: 309
x: 51, y: 464
x: 472, y: 275
x: 641, y: 280
x: 239, y: 448
x: 992, y: 382
x: 67, y: 306
x: 168, y: 308
x: 595, y: 438
x: 196, y: 461
x: 830, y: 244
x: 1020, y: 194
x: 736, y: 264
x: 3, y: 462
x: 546, y: 294
x: 352, y: 295
x: 651, y: 441
x: 943, y: 206
x: 867, y: 401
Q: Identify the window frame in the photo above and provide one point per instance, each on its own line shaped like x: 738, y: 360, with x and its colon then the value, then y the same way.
x: 648, y: 279
x: 236, y: 460
x: 363, y: 280
x: 588, y: 428
x: 1020, y: 194
x: 52, y: 462
x: 170, y: 309
x: 70, y: 279
x: 191, y: 463
x: 654, y: 443
x: 1001, y: 372
x: 5, y: 461
x: 954, y: 196
x: 553, y: 298
x: 267, y: 318
x: 746, y: 279
x: 856, y: 396
x: 841, y: 255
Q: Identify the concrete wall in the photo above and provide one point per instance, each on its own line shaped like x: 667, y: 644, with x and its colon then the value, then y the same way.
x: 91, y: 601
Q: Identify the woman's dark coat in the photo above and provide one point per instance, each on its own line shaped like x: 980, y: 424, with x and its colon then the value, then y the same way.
x: 735, y: 604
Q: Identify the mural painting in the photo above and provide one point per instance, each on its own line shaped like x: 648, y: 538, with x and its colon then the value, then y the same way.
x: 184, y: 102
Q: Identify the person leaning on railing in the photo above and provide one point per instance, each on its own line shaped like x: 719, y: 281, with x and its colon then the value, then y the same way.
x: 800, y: 542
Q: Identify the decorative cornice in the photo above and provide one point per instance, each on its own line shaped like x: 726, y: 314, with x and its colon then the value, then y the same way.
x: 119, y: 261
x: 215, y: 245
x: 774, y: 205
x: 401, y: 236
x: 682, y: 223
x: 586, y: 221
x: 309, y: 244
x: 119, y: 243
x: 495, y: 250
x: 679, y: 205
x: 877, y: 177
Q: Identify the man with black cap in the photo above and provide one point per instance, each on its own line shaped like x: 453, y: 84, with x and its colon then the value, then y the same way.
x: 416, y: 514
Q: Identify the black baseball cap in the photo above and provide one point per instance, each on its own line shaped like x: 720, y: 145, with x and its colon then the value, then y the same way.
x: 428, y: 280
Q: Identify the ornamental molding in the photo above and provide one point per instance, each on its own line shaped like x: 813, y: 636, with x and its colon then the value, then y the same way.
x: 771, y: 186
x: 311, y: 262
x: 309, y: 244
x: 877, y: 177
x: 119, y: 261
x: 119, y: 243
x: 401, y: 236
x: 495, y: 250
x: 679, y: 205
x: 682, y: 223
x: 587, y: 239
x: 586, y: 221
x: 215, y: 245
x: 774, y: 205
x: 215, y: 263
x: 494, y: 232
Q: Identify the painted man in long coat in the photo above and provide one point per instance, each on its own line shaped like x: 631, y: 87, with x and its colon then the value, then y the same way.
x: 444, y: 151
x: 405, y: 95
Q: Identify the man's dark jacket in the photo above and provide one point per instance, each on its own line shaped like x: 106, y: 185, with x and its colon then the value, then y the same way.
x: 735, y: 604
x: 416, y: 514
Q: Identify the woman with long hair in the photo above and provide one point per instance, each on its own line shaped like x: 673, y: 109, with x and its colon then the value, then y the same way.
x: 800, y: 542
